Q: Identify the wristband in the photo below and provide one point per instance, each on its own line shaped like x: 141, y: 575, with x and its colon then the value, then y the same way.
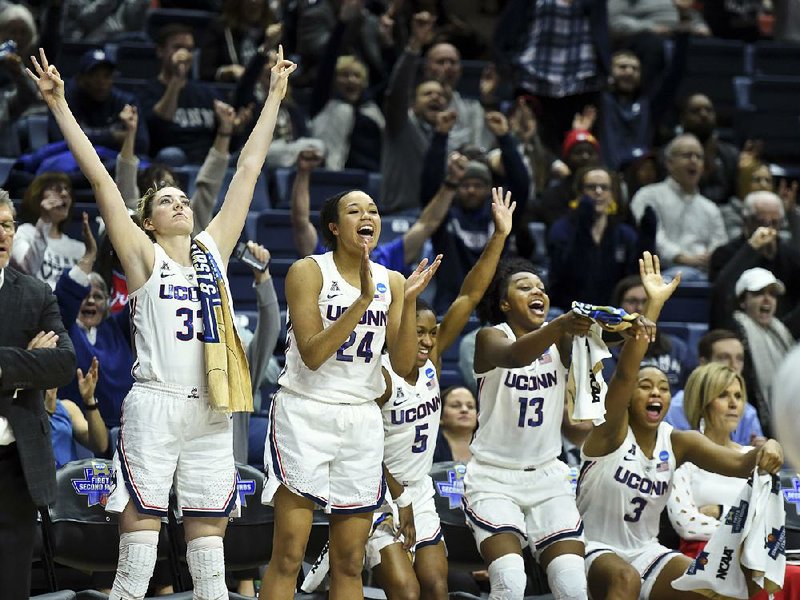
x: 224, y: 134
x: 403, y: 499
x: 450, y: 185
x: 91, y: 406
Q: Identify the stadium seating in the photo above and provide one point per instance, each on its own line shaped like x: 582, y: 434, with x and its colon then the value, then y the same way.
x: 775, y: 58
x: 689, y: 303
x: 159, y: 17
x: 324, y: 184
x: 769, y: 110
x: 137, y: 61
x: 70, y: 55
x: 274, y: 231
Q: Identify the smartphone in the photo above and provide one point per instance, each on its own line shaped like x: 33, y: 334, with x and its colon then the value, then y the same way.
x: 243, y: 253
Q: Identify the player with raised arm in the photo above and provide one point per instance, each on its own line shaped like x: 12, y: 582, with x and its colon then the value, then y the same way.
x: 629, y: 463
x: 169, y: 433
x: 324, y: 444
x: 411, y: 410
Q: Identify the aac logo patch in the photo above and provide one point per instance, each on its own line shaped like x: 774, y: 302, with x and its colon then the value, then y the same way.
x: 98, y: 482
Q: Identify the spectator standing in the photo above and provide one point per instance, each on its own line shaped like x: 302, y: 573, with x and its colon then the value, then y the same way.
x: 179, y: 111
x: 35, y: 354
x: 690, y: 226
x: 409, y: 128
x: 589, y: 249
x: 725, y: 347
x: 233, y: 38
x: 99, y: 104
x: 42, y: 248
x: 102, y: 20
x: 558, y: 52
x: 721, y: 159
x: 16, y: 93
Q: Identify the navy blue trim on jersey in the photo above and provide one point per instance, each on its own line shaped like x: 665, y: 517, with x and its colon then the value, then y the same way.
x: 491, y: 528
x: 657, y: 562
x: 153, y: 512
x: 363, y: 509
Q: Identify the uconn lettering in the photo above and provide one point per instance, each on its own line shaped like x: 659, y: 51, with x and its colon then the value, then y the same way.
x: 414, y: 413
x: 531, y: 383
x: 639, y: 483
x: 178, y: 292
x: 371, y: 317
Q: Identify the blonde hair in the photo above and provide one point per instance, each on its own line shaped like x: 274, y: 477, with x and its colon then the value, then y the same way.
x: 706, y: 384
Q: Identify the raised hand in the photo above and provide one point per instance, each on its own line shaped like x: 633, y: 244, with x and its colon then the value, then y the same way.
x: 770, y: 457
x: 750, y: 154
x: 308, y: 160
x: 129, y: 115
x: 43, y: 339
x: 226, y: 116
x: 181, y: 61
x: 489, y: 81
x: 422, y: 30
x: 262, y: 255
x: 657, y: 289
x: 502, y: 211
x: 47, y: 79
x: 86, y: 263
x: 279, y: 75
x: 642, y: 328
x: 445, y: 120
x: 763, y: 238
x: 497, y: 123
x: 585, y: 119
x: 456, y: 167
x: 46, y: 207
x: 367, y: 283
x: 87, y: 383
x: 421, y: 277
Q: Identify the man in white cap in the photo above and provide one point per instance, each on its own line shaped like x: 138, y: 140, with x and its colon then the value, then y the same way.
x: 766, y: 338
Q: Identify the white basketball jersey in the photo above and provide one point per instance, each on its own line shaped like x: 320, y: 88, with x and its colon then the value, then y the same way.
x: 411, y: 424
x: 520, y: 411
x: 353, y: 374
x: 167, y: 322
x: 621, y: 495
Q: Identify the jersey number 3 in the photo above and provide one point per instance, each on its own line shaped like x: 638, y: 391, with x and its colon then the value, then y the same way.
x: 537, y: 416
x: 638, y: 507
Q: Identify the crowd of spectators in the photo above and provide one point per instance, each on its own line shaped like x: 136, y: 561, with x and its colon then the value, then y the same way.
x: 576, y: 112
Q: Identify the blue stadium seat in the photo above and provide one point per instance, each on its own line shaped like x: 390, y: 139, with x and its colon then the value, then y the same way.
x: 260, y: 194
x: 37, y: 131
x: 273, y: 230
x: 74, y: 228
x: 769, y: 110
x: 688, y: 332
x: 775, y: 58
x: 449, y: 378
x: 689, y: 303
x: 240, y: 278
x: 5, y: 168
x: 132, y: 85
x: 393, y: 227
x: 279, y: 267
x: 712, y: 65
x: 159, y: 17
x: 324, y: 184
x: 374, y: 181
x: 137, y: 61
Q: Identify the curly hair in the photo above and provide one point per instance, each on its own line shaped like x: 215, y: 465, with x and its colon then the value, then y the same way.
x: 489, y: 307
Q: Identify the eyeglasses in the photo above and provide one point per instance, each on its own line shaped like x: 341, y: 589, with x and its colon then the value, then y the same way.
x: 600, y: 187
x: 689, y: 155
x: 8, y: 227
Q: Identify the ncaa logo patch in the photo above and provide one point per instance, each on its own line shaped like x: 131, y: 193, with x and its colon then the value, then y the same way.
x: 98, y: 482
x: 453, y: 488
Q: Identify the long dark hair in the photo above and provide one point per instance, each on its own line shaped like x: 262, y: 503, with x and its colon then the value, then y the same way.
x: 330, y: 214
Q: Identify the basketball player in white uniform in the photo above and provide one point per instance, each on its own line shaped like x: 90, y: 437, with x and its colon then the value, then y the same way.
x: 516, y: 491
x: 325, y: 438
x: 411, y: 411
x: 168, y: 433
x: 629, y: 462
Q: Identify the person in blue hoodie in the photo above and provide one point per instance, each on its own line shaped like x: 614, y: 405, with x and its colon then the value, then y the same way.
x: 97, y: 104
x: 83, y: 299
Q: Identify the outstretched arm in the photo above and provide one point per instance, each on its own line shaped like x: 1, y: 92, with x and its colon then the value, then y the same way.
x: 303, y: 231
x: 694, y: 447
x: 134, y: 248
x: 479, y: 276
x: 607, y: 437
x: 226, y: 227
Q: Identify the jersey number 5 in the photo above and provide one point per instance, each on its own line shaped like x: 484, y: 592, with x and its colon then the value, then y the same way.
x: 535, y: 404
x: 420, y: 439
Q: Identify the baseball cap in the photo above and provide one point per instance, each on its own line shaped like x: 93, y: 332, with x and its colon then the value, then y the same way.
x: 756, y: 279
x: 478, y: 170
x: 94, y: 58
x: 576, y: 136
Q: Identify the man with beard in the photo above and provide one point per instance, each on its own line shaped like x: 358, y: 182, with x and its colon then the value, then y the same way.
x: 718, y: 182
x: 690, y: 226
x: 760, y: 245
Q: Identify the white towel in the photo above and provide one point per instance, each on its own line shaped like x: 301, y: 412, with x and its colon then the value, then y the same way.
x: 751, y: 535
x: 586, y: 372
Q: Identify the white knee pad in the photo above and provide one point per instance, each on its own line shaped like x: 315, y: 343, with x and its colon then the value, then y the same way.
x: 137, y: 559
x: 206, y: 559
x: 567, y: 577
x: 507, y: 578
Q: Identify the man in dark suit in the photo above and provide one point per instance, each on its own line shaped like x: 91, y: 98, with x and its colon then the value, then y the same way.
x: 35, y: 354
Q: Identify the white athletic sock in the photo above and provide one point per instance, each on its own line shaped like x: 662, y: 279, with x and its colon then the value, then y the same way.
x: 206, y: 559
x: 137, y: 559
